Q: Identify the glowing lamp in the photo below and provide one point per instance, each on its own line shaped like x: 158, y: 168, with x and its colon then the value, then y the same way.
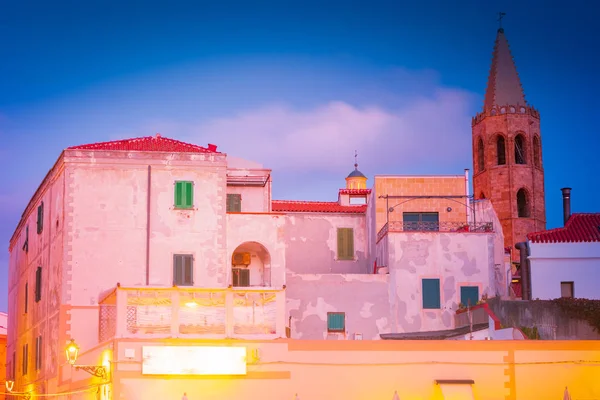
x: 10, y: 384
x: 72, y: 351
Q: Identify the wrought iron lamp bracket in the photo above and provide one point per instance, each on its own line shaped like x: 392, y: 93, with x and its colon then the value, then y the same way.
x: 96, y: 370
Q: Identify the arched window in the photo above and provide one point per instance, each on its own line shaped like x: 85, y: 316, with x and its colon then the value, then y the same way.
x: 480, y: 156
x: 501, y: 150
x: 520, y: 150
x: 536, y: 152
x: 523, y: 204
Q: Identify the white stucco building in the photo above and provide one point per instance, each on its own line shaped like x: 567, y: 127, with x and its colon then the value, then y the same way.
x: 565, y: 262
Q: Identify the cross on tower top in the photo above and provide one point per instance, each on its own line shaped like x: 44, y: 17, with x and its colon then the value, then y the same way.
x: 355, y: 159
x: 500, y: 16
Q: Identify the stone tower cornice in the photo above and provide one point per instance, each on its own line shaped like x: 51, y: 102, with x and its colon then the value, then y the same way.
x: 498, y: 111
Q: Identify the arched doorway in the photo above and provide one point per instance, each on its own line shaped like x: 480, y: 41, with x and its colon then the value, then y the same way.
x: 251, y: 265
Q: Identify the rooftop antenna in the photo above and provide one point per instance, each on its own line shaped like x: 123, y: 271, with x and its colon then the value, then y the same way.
x: 500, y: 16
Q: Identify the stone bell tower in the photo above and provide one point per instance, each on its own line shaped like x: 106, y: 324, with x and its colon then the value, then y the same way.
x: 507, y: 151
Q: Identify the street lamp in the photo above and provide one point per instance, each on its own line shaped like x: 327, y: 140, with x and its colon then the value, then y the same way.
x: 72, y: 351
x: 10, y: 384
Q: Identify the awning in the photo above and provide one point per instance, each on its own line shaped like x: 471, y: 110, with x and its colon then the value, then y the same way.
x: 456, y: 389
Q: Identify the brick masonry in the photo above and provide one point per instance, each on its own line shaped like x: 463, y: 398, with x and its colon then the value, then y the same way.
x: 500, y: 183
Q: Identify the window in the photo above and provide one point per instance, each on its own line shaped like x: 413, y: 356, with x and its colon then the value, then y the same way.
x: 522, y: 204
x: 501, y: 150
x: 14, y: 366
x: 26, y: 297
x: 38, y: 284
x: 184, y: 194
x: 469, y: 295
x: 234, y: 202
x: 25, y: 356
x: 40, y: 217
x: 241, y: 277
x: 336, y: 322
x: 421, y: 221
x: 431, y: 293
x: 566, y: 289
x: 537, y: 160
x: 26, y: 244
x: 358, y: 200
x: 38, y: 353
x: 345, y: 244
x: 520, y: 150
x: 480, y: 155
x: 183, y: 271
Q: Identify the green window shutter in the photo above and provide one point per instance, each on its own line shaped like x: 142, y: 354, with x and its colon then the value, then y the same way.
x: 38, y: 284
x: 184, y: 194
x: 234, y: 202
x: 431, y: 293
x: 188, y: 270
x: 345, y: 243
x: 189, y: 194
x: 469, y: 295
x: 336, y: 322
x: 40, y: 217
x: 177, y: 269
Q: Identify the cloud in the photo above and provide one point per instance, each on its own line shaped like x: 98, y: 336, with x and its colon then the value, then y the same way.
x: 429, y: 131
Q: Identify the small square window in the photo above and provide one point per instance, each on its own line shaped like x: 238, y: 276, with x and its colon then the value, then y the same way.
x: 183, y: 270
x: 431, y: 293
x: 336, y: 322
x: 184, y: 194
x: 567, y: 289
x: 234, y: 202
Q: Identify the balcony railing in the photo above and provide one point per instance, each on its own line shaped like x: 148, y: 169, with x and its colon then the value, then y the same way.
x: 194, y: 313
x: 443, y: 226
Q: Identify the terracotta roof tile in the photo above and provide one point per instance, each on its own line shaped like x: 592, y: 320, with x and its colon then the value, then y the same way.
x: 579, y: 228
x: 315, y: 206
x: 148, y: 143
x: 355, y: 191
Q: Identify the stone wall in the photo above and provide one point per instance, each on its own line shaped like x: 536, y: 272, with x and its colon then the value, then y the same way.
x: 551, y: 322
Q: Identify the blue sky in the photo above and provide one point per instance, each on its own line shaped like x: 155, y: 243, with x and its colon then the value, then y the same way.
x: 295, y: 86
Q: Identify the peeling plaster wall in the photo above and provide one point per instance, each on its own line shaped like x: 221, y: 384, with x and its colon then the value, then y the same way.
x: 311, y: 241
x: 107, y: 217
x: 363, y: 298
x: 45, y: 251
x: 457, y: 259
x: 267, y: 230
x: 484, y: 212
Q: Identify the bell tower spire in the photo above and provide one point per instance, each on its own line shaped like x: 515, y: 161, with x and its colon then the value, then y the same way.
x: 507, y: 152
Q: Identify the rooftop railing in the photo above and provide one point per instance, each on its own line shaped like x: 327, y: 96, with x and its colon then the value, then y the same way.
x: 443, y: 226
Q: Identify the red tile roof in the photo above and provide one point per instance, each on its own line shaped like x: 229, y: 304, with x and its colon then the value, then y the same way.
x: 579, y: 228
x: 315, y: 206
x: 148, y: 143
x: 355, y: 191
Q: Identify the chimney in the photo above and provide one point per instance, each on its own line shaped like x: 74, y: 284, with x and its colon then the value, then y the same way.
x: 212, y: 147
x: 566, y: 193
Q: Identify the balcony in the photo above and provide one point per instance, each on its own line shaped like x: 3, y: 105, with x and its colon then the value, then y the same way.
x: 443, y: 226
x: 195, y: 313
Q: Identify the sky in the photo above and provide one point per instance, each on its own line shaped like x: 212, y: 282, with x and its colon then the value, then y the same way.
x: 296, y: 86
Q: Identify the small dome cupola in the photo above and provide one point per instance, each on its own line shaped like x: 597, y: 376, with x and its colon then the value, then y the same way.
x: 356, y: 179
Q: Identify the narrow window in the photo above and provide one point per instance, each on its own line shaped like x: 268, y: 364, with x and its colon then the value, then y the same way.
x: 469, y: 295
x: 523, y: 204
x: 336, y: 322
x: 431, y: 293
x: 26, y: 244
x: 567, y: 289
x: 38, y: 284
x: 420, y: 221
x: 234, y: 202
x: 25, y: 356
x: 480, y: 155
x: 241, y: 277
x: 537, y: 160
x: 38, y: 353
x: 520, y: 150
x: 501, y: 150
x: 184, y: 194
x: 14, y: 366
x: 345, y: 243
x: 26, y: 297
x: 183, y: 271
x: 40, y: 217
